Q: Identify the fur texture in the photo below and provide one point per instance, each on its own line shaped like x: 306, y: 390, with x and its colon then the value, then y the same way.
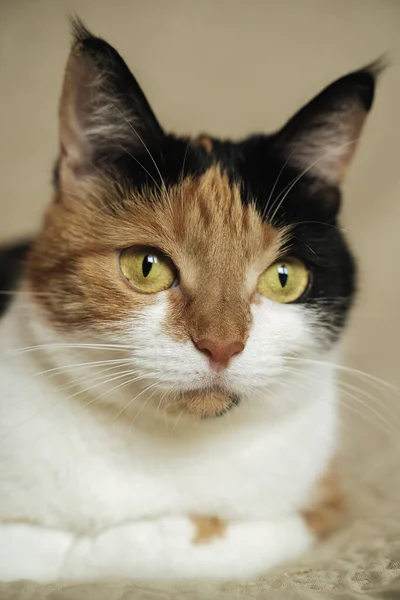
x: 124, y: 451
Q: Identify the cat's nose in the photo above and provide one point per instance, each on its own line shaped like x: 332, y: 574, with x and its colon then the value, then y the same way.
x: 219, y: 352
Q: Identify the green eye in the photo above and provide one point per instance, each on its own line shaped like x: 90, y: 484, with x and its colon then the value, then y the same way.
x: 148, y: 270
x: 284, y: 281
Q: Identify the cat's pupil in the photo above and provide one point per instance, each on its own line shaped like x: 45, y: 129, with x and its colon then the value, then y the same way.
x: 283, y: 275
x: 147, y: 264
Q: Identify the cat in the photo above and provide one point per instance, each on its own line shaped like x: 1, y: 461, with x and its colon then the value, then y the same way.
x: 168, y: 401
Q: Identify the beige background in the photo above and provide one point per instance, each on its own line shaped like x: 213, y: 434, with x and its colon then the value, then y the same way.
x: 232, y: 67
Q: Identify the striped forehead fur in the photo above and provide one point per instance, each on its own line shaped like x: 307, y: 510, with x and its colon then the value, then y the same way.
x: 200, y: 223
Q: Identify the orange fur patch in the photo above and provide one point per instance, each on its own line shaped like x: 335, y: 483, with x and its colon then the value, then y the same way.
x: 201, y: 404
x: 326, y: 509
x: 219, y: 240
x: 207, y: 528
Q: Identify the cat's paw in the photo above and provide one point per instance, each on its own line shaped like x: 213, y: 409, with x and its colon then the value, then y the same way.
x: 249, y: 548
x: 188, y: 547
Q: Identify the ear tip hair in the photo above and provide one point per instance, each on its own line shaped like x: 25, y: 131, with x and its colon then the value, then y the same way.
x: 80, y: 33
x: 378, y: 66
x: 371, y: 74
x: 362, y: 82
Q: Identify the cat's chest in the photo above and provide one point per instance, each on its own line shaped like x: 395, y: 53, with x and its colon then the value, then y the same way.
x: 98, y: 475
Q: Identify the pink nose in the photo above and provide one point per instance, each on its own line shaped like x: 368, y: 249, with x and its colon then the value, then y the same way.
x: 218, y: 352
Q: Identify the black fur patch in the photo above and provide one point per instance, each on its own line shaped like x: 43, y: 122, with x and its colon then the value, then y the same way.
x: 11, y: 264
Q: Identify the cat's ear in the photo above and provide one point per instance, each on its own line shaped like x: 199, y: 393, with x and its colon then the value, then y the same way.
x: 103, y: 111
x: 322, y: 137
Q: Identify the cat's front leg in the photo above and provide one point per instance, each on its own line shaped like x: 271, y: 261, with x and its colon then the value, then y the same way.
x: 181, y: 547
x: 32, y: 552
x: 166, y: 548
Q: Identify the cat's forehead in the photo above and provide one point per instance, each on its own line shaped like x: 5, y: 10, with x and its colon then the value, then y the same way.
x: 202, y: 220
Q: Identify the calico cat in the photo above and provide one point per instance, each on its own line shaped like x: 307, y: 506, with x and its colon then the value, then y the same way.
x: 168, y: 403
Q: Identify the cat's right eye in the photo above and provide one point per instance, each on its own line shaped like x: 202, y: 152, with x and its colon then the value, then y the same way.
x: 147, y: 270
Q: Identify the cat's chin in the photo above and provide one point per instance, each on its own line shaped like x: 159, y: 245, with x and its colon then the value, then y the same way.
x: 204, y: 404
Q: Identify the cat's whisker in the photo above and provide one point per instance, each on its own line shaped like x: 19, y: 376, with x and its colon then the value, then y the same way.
x: 60, y: 370
x: 320, y: 223
x: 83, y: 391
x: 305, y: 244
x: 177, y: 420
x: 169, y: 396
x: 161, y: 401
x: 102, y: 378
x: 380, y: 402
x: 19, y: 293
x: 265, y: 210
x: 382, y: 425
x: 142, y: 166
x: 126, y: 406
x: 28, y: 293
x: 114, y: 378
x: 73, y: 366
x: 342, y: 384
x: 344, y: 369
x: 93, y: 377
x: 183, y: 171
x: 117, y: 387
x: 388, y: 425
x: 145, y: 403
x: 83, y: 406
x: 67, y: 346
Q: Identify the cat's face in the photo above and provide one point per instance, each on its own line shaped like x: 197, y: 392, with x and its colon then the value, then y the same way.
x: 213, y: 261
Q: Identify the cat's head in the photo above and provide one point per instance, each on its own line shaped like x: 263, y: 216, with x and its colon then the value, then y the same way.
x: 214, y: 261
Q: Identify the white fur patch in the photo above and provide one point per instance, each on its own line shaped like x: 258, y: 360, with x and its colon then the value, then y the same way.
x: 161, y: 548
x: 111, y: 481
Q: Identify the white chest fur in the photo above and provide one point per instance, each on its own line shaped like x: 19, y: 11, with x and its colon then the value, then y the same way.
x: 75, y: 468
x: 99, y: 471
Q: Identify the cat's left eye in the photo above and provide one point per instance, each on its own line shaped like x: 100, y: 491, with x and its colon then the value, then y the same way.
x: 147, y: 270
x: 284, y: 281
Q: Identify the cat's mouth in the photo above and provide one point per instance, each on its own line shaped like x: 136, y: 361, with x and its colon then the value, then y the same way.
x: 205, y: 403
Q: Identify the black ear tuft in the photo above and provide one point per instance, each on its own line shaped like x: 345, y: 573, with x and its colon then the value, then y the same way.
x: 322, y: 137
x: 365, y: 79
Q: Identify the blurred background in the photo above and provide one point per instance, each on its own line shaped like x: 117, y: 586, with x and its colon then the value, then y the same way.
x: 232, y: 67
